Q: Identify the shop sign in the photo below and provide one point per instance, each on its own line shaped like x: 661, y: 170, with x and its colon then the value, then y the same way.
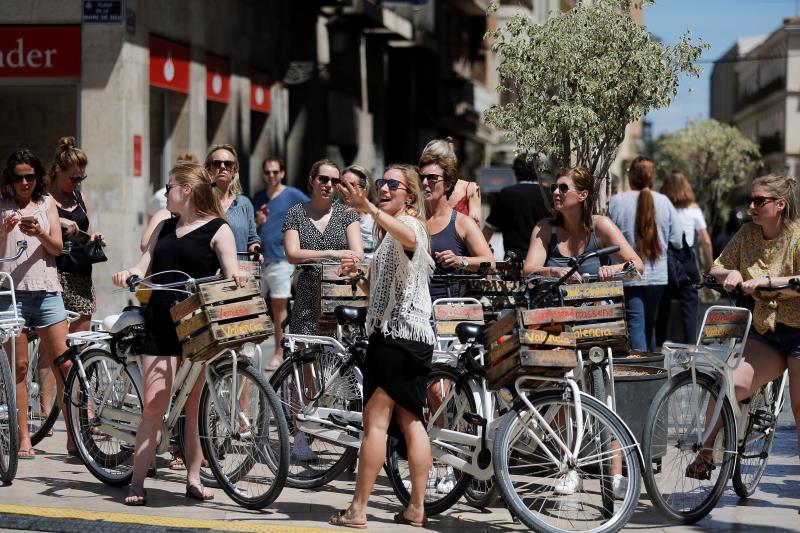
x: 260, y: 99
x: 137, y: 155
x: 218, y: 78
x: 40, y: 52
x: 169, y: 65
x: 102, y: 11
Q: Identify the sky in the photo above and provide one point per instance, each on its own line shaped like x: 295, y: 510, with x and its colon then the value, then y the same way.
x: 719, y: 23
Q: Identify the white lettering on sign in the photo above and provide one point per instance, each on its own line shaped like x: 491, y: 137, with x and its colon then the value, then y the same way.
x: 19, y: 58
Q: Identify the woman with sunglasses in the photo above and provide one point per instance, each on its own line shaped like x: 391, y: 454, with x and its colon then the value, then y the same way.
x: 401, y: 340
x: 466, y: 195
x: 762, y: 253
x: 358, y: 176
x: 30, y: 214
x: 222, y: 163
x: 456, y: 240
x: 318, y: 230
x: 649, y: 222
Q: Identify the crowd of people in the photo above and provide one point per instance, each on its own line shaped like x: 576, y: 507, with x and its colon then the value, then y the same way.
x: 410, y: 223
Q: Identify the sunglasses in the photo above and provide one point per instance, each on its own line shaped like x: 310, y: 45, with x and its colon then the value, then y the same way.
x: 758, y: 201
x: 325, y: 179
x: 219, y: 163
x: 392, y: 184
x: 432, y: 178
x: 169, y: 186
x: 560, y: 187
x: 29, y: 178
x: 271, y: 172
x: 78, y: 179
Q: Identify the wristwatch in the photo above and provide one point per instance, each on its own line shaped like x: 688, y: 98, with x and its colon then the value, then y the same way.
x: 464, y: 262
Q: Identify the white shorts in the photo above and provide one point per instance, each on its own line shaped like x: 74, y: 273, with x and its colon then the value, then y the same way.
x: 276, y: 279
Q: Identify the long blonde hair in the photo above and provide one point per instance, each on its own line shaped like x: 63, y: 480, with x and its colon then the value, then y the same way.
x: 415, y: 208
x: 785, y: 188
x: 206, y: 202
x: 235, y: 187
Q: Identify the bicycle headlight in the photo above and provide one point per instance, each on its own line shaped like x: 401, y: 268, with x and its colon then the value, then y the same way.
x: 596, y: 354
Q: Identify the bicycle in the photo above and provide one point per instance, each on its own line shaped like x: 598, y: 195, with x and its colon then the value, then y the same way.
x: 11, y: 326
x: 244, y: 439
x: 698, y: 396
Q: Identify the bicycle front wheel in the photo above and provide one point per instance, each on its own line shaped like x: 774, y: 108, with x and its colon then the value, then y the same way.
x: 684, y: 486
x: 43, y: 406
x: 249, y: 451
x: 9, y: 430
x: 103, y: 415
x: 552, y: 492
x: 751, y: 461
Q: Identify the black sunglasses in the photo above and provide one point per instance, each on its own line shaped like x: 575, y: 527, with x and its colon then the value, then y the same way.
x: 217, y: 163
x: 271, y: 172
x: 392, y: 184
x: 561, y: 187
x: 169, y: 186
x: 325, y: 179
x: 30, y: 178
x: 758, y: 201
x: 432, y: 178
x: 78, y: 179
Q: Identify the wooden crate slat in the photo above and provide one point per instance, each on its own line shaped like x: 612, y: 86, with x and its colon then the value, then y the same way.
x: 592, y: 291
x: 546, y: 315
x: 216, y: 313
x: 220, y: 291
x: 727, y: 317
x: 592, y: 313
x: 498, y: 351
x: 217, y: 348
x: 331, y: 290
x: 448, y: 327
x: 225, y: 334
x: 723, y: 331
x: 496, y: 303
x: 329, y: 272
x: 599, y: 331
x: 457, y: 311
x: 502, y: 326
x: 489, y: 286
x: 185, y: 307
x: 328, y: 306
x: 548, y: 358
x: 545, y: 338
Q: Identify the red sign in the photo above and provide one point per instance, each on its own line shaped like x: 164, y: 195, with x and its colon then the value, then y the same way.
x: 218, y: 78
x: 40, y: 51
x: 137, y: 155
x: 259, y: 93
x: 169, y: 65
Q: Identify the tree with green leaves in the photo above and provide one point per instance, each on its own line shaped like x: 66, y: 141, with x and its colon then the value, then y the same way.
x: 581, y: 77
x: 715, y: 157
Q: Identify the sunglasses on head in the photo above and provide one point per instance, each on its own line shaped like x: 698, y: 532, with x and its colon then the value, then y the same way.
x: 561, y: 187
x: 431, y: 178
x: 219, y: 163
x: 78, y: 179
x: 325, y: 179
x: 758, y: 201
x: 30, y: 178
x: 392, y: 184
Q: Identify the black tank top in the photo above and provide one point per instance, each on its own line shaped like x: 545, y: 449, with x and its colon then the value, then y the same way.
x: 77, y: 215
x: 191, y: 253
x: 556, y: 259
x: 447, y: 239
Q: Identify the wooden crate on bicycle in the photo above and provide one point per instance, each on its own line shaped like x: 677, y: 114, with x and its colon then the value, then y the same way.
x: 538, y: 349
x: 599, y: 315
x: 221, y: 316
x: 446, y: 316
x: 494, y: 293
x: 337, y: 290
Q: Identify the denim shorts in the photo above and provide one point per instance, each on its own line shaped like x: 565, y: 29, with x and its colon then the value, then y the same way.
x: 785, y: 339
x: 38, y: 308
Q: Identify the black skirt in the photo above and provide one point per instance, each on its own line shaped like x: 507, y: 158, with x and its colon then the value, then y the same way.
x: 400, y: 367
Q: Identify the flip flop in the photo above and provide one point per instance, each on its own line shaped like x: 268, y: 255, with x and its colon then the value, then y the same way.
x: 138, y: 501
x: 197, y: 492
x: 339, y: 519
x: 26, y: 454
x: 400, y: 518
x: 700, y: 468
x: 176, y: 463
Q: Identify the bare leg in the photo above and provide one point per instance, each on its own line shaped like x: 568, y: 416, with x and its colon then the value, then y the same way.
x: 194, y: 453
x: 419, y: 461
x: 21, y: 364
x: 158, y: 373
x: 794, y: 392
x: 53, y: 344
x: 279, y: 314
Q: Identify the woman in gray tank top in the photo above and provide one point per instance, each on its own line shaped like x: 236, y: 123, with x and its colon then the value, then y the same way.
x: 574, y: 230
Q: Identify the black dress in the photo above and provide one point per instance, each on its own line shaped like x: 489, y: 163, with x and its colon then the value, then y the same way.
x: 191, y: 254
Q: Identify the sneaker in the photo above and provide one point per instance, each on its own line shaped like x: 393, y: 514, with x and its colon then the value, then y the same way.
x: 568, y: 484
x: 447, y: 483
x: 431, y: 481
x: 620, y: 486
x: 301, y: 450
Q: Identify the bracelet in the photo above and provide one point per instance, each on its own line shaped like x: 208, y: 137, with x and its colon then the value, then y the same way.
x: 376, y: 215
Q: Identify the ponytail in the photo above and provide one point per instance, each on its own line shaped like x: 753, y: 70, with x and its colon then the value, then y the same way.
x: 642, y: 175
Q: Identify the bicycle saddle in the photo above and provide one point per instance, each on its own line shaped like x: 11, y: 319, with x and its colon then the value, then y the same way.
x: 346, y: 314
x: 126, y: 319
x: 465, y: 331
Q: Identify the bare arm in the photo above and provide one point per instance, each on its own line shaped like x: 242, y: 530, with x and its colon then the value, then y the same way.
x: 477, y: 246
x: 51, y: 240
x: 705, y: 242
x: 354, y: 241
x: 155, y: 221
x: 537, y: 250
x: 474, y: 202
x: 224, y: 245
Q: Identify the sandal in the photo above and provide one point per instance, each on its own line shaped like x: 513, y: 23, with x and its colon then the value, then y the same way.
x: 26, y: 454
x: 400, y: 518
x: 340, y: 519
x: 198, y: 492
x: 136, y: 500
x: 176, y: 463
x: 700, y: 468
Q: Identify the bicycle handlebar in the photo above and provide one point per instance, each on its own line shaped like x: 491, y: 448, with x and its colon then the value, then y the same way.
x: 21, y: 247
x: 711, y: 282
x: 483, y: 270
x: 133, y: 282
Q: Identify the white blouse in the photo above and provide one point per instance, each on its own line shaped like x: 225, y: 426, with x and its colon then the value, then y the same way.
x: 400, y: 303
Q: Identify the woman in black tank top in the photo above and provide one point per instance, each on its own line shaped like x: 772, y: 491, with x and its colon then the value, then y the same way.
x: 574, y: 230
x: 456, y: 240
x: 198, y: 242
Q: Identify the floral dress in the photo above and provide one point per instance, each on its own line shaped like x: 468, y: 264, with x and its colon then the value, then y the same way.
x: 305, y: 312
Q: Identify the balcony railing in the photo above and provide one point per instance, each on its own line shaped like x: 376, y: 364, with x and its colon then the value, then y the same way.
x: 778, y: 84
x: 771, y: 143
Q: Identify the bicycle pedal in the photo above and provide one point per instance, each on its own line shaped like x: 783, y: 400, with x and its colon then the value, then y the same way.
x: 474, y: 419
x: 338, y: 420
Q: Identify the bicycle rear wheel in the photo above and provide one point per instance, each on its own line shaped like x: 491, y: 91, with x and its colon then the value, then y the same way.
x: 251, y: 459
x: 43, y: 408
x: 677, y: 419
x: 531, y: 483
x: 751, y: 461
x: 9, y: 430
x: 103, y: 415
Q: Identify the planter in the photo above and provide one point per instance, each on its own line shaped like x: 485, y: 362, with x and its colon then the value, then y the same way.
x: 635, y: 387
x: 637, y: 358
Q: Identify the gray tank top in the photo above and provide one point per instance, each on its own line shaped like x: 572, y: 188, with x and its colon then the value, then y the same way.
x: 556, y: 259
